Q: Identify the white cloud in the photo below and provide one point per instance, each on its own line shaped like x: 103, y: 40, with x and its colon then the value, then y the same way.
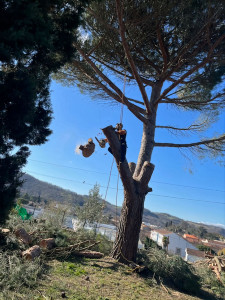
x: 213, y: 224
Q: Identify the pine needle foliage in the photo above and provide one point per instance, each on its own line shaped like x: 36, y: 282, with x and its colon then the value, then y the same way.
x: 172, y: 269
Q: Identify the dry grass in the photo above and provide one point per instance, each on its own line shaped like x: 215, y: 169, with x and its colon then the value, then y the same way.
x: 103, y: 279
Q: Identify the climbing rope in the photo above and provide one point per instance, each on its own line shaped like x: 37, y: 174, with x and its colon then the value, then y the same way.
x: 121, y: 120
x: 122, y: 103
x: 116, y: 199
x: 106, y: 192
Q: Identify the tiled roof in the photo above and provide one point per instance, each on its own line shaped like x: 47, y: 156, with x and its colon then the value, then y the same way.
x: 194, y: 252
x: 190, y: 236
x: 220, y: 243
x: 162, y: 231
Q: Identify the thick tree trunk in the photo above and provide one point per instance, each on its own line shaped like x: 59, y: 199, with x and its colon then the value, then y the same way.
x: 126, y: 245
x: 135, y: 181
x: 135, y: 190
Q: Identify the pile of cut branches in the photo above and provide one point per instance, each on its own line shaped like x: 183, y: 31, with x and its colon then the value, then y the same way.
x: 215, y: 263
x: 38, y: 246
x: 79, y: 249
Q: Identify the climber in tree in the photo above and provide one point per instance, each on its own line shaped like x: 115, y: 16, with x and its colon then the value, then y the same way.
x: 122, y: 137
x: 88, y: 149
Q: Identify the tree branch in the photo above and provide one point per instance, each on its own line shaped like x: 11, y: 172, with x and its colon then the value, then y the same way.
x: 188, y: 45
x: 148, y: 61
x: 204, y: 142
x: 129, y: 57
x: 191, y: 102
x: 145, y: 175
x: 144, y: 80
x: 96, y: 46
x: 191, y: 127
x: 192, y: 70
x: 122, y: 98
x: 163, y: 49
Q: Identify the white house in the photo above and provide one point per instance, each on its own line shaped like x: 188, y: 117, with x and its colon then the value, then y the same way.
x: 108, y: 230
x: 177, y: 244
x: 194, y: 255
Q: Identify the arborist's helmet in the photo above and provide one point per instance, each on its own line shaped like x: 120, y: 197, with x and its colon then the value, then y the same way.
x: 119, y: 126
x: 90, y: 141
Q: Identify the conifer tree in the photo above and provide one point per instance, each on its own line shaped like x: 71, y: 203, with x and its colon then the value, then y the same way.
x: 174, y: 53
x: 36, y: 38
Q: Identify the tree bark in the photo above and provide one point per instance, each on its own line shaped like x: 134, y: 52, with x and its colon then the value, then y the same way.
x: 135, y: 179
x: 135, y: 190
x: 126, y: 244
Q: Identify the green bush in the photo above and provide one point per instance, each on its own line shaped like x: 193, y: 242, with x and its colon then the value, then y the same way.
x: 16, y: 273
x: 173, y: 269
x: 209, y: 280
x: 105, y: 246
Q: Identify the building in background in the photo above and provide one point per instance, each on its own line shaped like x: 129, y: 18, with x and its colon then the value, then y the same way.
x: 193, y: 255
x: 191, y: 238
x: 177, y: 244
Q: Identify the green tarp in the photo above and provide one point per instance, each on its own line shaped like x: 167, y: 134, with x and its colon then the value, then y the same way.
x: 22, y: 212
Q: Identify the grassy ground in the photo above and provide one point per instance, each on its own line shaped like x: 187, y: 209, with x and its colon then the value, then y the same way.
x: 102, y: 279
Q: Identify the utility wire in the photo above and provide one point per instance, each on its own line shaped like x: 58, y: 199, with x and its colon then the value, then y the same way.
x: 165, y: 196
x: 160, y: 182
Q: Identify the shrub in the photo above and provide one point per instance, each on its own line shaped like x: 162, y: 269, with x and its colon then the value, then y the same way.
x: 172, y: 269
x: 16, y: 273
x: 209, y: 280
x: 105, y: 246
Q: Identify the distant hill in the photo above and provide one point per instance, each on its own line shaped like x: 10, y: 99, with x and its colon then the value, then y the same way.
x: 50, y: 192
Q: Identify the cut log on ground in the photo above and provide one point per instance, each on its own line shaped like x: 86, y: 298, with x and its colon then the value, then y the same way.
x: 215, y: 263
x: 47, y: 243
x: 218, y: 264
x: 75, y: 250
x: 32, y: 253
x: 5, y: 231
x: 89, y: 254
x: 23, y: 236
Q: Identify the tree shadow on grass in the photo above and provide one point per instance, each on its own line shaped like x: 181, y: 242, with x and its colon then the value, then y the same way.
x: 200, y: 293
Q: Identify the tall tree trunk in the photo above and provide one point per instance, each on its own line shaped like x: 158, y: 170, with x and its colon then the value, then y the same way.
x: 135, y: 179
x: 135, y: 190
x: 126, y: 245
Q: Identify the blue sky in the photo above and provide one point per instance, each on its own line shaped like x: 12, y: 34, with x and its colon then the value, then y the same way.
x: 183, y: 186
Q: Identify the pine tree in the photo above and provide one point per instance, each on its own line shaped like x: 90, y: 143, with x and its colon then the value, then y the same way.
x: 174, y: 53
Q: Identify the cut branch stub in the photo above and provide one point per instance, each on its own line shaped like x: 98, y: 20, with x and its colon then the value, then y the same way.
x: 145, y: 175
x: 132, y: 167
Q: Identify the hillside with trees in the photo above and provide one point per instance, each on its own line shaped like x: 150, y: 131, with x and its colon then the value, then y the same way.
x: 49, y: 192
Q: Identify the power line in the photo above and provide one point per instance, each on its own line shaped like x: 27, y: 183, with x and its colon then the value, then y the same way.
x: 160, y: 182
x: 158, y: 195
x: 54, y: 164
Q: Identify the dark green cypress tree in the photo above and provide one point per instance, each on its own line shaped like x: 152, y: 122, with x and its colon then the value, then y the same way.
x: 36, y: 38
